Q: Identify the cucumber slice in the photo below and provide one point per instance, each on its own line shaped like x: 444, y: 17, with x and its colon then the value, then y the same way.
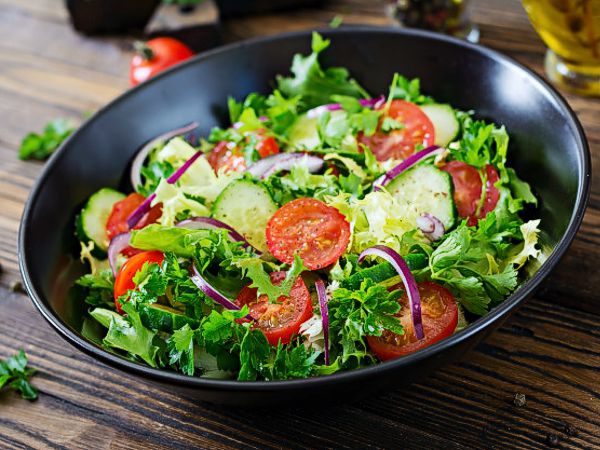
x: 164, y: 318
x: 444, y: 122
x: 429, y: 190
x: 247, y: 206
x: 91, y: 223
x: 383, y: 271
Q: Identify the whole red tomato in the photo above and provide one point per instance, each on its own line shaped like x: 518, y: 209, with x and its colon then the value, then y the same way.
x: 155, y: 56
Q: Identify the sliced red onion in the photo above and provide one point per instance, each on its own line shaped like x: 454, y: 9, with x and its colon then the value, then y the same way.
x: 203, y: 223
x: 135, y: 175
x: 270, y: 165
x: 431, y: 226
x: 374, y: 103
x: 211, y: 292
x: 139, y: 212
x: 406, y: 164
x: 322, y: 295
x: 117, y: 244
x: 410, y: 285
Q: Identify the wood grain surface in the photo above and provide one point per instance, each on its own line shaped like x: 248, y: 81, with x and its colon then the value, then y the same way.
x: 549, y: 350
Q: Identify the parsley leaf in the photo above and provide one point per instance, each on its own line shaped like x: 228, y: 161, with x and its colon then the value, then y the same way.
x: 181, y: 349
x: 315, y: 85
x: 14, y: 373
x: 390, y: 124
x: 41, y: 146
x: 476, y: 262
x: 367, y: 311
x: 253, y: 268
x: 254, y: 350
x: 410, y: 90
x: 98, y: 288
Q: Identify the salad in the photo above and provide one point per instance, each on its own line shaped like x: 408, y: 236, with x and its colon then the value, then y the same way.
x: 325, y: 229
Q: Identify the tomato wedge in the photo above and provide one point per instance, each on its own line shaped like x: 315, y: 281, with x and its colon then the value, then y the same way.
x: 267, y: 147
x: 229, y: 155
x: 468, y: 187
x: 492, y: 194
x: 400, y: 144
x: 117, y: 221
x: 278, y: 321
x: 318, y: 233
x: 124, y: 279
x: 440, y: 316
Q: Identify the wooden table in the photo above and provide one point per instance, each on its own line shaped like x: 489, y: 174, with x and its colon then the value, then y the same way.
x: 549, y: 351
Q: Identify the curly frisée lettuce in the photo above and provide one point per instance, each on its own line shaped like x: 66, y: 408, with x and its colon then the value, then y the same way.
x: 261, y: 244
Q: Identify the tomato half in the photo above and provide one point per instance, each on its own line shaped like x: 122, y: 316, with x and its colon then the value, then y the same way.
x: 124, y: 279
x: 467, y: 190
x: 267, y: 147
x: 440, y: 316
x: 467, y: 187
x: 117, y: 221
x: 318, y: 233
x: 400, y: 144
x: 228, y: 154
x: 492, y: 194
x: 278, y: 321
x: 155, y: 56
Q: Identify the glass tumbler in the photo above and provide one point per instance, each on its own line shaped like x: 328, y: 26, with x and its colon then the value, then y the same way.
x: 571, y: 30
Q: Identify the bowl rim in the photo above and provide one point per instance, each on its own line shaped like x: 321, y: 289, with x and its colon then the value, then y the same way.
x: 496, y: 314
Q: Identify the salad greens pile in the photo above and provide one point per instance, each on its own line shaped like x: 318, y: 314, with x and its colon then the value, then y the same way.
x: 217, y: 278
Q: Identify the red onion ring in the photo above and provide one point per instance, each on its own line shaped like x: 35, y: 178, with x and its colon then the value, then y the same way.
x: 322, y: 295
x: 270, y: 165
x: 139, y: 212
x: 410, y: 285
x: 211, y: 292
x: 117, y: 244
x: 431, y: 226
x: 406, y: 164
x: 140, y: 157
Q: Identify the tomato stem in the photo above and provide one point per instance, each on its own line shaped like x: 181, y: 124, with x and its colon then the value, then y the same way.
x: 142, y: 49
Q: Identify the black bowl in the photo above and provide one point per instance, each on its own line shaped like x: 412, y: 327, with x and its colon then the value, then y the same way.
x: 548, y: 149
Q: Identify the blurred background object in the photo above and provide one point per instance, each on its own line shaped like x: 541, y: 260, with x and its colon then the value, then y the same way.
x: 571, y: 30
x: 110, y: 16
x: 451, y: 17
x: 231, y: 8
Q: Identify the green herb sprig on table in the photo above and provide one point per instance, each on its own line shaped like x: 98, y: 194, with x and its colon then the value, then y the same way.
x: 14, y: 374
x: 41, y: 146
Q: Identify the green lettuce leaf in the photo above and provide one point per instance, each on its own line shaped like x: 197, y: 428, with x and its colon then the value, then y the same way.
x: 315, y: 85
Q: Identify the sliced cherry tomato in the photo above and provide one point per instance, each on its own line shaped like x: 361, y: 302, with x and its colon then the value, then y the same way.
x: 124, y: 279
x: 467, y: 190
x: 278, y: 321
x: 318, y: 233
x: 267, y: 147
x: 155, y: 56
x: 467, y: 187
x: 227, y: 155
x: 117, y: 221
x: 492, y: 194
x: 400, y: 144
x: 440, y: 316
